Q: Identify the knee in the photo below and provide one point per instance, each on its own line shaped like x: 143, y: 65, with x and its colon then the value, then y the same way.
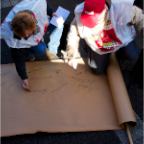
x: 42, y: 49
x: 97, y: 71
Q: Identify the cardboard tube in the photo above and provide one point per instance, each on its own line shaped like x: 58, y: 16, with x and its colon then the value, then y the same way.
x: 128, y: 133
x: 119, y: 92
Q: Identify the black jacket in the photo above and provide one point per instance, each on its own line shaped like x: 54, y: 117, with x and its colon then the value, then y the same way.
x: 19, y: 54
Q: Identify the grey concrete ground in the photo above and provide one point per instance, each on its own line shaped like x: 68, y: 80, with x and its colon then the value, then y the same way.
x: 97, y: 137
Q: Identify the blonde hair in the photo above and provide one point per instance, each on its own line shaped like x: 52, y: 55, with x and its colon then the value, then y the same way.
x: 102, y: 22
x: 23, y: 20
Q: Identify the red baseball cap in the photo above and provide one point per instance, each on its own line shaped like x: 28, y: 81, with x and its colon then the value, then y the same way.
x: 91, y: 12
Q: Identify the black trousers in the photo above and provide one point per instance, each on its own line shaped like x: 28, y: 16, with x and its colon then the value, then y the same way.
x: 98, y: 63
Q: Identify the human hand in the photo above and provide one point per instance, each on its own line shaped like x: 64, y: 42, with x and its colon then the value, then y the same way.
x: 72, y: 62
x: 25, y: 84
x: 54, y: 14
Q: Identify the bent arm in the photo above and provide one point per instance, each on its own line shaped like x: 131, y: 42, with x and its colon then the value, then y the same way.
x: 137, y: 17
x: 19, y: 59
x: 72, y: 40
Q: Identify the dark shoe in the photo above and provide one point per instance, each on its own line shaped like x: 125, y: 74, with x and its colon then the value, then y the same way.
x: 30, y: 57
x: 62, y: 54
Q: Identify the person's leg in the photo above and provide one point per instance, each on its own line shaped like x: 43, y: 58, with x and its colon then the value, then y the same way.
x: 39, y: 49
x: 54, y: 38
x: 130, y: 52
x: 97, y: 62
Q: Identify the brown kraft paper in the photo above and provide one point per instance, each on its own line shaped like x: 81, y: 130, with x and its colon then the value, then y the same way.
x: 62, y: 99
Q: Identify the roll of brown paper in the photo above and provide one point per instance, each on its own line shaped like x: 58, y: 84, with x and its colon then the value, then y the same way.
x: 119, y: 92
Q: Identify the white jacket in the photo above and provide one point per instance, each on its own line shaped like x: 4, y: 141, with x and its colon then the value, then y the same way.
x: 119, y: 33
x: 38, y: 7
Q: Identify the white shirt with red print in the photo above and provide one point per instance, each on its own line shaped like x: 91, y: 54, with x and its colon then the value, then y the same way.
x: 116, y: 33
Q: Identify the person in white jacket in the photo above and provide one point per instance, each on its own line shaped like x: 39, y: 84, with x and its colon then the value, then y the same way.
x: 23, y: 29
x: 106, y: 26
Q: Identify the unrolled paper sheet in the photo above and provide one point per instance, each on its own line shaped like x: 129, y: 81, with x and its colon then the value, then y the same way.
x: 62, y: 99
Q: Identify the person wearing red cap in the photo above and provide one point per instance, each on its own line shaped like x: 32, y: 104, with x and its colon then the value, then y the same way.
x: 106, y: 26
